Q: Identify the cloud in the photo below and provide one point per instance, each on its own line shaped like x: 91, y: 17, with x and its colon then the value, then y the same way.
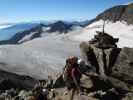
x: 4, y: 21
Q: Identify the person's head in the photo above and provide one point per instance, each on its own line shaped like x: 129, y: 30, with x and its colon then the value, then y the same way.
x: 72, y: 60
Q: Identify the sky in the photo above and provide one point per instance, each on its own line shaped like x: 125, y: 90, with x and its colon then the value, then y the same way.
x: 29, y: 10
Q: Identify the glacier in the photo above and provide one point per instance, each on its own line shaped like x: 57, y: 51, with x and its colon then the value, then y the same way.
x: 46, y: 55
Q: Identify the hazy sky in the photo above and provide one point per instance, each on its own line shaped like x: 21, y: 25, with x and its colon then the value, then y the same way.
x: 25, y: 10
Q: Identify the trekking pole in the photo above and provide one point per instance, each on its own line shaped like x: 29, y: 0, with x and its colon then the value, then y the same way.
x: 104, y: 23
x: 103, y: 26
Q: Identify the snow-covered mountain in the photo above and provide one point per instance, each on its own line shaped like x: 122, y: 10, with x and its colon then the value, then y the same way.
x: 5, y: 25
x: 16, y: 32
x: 46, y: 55
x: 22, y: 32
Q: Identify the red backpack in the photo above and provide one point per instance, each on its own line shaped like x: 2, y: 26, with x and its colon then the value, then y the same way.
x: 69, y: 72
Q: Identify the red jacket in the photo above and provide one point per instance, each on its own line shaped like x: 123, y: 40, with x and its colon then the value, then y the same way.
x: 73, y: 72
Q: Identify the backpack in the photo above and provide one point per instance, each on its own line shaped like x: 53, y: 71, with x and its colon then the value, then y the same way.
x: 67, y: 73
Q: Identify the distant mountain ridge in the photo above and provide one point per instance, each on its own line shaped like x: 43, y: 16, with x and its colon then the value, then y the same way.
x: 28, y: 31
x: 19, y: 35
x: 118, y: 13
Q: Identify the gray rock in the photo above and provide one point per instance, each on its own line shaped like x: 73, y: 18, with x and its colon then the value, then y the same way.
x: 114, y: 65
x: 123, y: 67
x: 128, y: 96
x: 10, y: 80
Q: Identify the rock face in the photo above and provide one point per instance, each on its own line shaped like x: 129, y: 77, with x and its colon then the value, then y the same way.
x: 117, y: 13
x: 114, y: 14
x: 123, y: 68
x: 128, y: 14
x: 11, y: 80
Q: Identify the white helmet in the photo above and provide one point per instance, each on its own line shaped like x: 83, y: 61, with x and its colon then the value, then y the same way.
x: 81, y: 62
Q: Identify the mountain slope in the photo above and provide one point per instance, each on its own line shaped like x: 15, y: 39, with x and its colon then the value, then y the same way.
x: 7, y: 33
x: 118, y: 22
x: 13, y: 34
x: 117, y: 13
x: 22, y: 32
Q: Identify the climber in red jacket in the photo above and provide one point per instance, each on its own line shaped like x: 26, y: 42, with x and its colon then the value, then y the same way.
x: 72, y: 74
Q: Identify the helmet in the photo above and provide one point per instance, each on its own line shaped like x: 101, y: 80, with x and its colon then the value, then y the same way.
x: 72, y: 60
x: 81, y: 62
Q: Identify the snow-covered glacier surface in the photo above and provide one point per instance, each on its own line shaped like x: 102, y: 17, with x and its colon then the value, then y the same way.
x: 39, y: 57
x: 46, y: 55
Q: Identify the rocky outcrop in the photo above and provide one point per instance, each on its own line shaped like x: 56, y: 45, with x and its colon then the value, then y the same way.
x: 113, y: 65
x: 123, y: 67
x: 10, y: 80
